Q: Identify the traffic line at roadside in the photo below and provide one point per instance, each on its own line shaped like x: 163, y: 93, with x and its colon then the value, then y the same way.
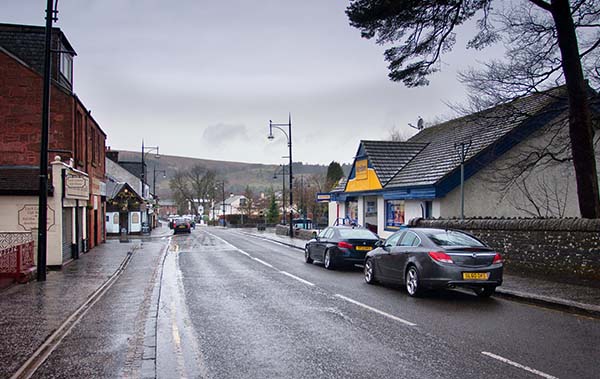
x: 518, y: 365
x: 401, y: 320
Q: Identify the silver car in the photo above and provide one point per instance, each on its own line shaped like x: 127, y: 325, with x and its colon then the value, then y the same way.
x: 422, y: 259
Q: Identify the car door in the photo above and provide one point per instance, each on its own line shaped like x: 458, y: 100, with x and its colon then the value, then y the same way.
x: 406, y: 246
x: 320, y: 245
x: 384, y: 263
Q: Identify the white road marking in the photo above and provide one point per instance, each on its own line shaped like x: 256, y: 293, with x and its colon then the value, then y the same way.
x: 376, y: 310
x: 297, y: 278
x: 262, y: 262
x: 518, y: 365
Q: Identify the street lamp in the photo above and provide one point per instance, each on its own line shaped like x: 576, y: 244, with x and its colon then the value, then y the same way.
x: 283, y: 191
x: 462, y: 150
x: 146, y: 150
x: 288, y: 135
x: 43, y: 183
x: 222, y: 183
x: 154, y: 179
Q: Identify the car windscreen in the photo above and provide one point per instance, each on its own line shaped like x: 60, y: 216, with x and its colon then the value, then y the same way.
x: 356, y: 234
x: 452, y: 238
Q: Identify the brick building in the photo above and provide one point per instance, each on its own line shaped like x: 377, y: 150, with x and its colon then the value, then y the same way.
x: 74, y: 135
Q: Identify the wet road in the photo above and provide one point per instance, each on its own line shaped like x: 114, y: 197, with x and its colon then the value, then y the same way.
x: 223, y: 304
x: 232, y: 305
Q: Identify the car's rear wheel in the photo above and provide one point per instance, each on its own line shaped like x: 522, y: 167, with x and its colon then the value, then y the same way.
x: 369, y: 272
x: 307, y: 257
x: 413, y: 287
x: 328, y: 261
x: 484, y: 291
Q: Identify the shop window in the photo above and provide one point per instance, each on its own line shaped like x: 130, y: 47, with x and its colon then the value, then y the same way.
x: 371, y: 209
x: 394, y: 214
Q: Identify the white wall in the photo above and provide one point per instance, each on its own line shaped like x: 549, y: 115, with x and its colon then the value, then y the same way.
x: 112, y: 225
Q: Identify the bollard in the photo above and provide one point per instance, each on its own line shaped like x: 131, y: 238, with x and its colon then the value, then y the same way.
x: 124, y: 237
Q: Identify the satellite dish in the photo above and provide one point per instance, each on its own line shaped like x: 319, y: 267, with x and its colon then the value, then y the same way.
x: 419, y: 124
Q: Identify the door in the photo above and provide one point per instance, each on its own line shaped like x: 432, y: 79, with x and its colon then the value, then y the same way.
x: 384, y: 261
x: 124, y: 222
x: 321, y: 245
x: 399, y: 257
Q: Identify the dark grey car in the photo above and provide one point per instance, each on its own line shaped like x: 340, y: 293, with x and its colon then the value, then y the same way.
x: 340, y: 245
x: 433, y: 259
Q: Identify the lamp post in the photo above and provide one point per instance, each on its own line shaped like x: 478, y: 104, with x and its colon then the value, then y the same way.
x: 283, y: 190
x: 146, y: 150
x: 462, y: 149
x: 288, y: 135
x: 154, y: 179
x: 222, y: 183
x: 43, y: 184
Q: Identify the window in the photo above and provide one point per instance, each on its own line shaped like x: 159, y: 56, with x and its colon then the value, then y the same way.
x: 66, y: 65
x: 393, y: 240
x: 452, y: 238
x: 394, y: 214
x: 357, y: 233
x: 410, y: 239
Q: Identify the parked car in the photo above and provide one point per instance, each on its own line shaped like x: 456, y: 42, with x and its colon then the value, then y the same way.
x: 181, y: 225
x: 423, y: 259
x: 340, y: 245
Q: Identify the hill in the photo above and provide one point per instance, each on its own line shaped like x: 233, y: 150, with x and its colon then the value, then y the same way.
x: 237, y: 175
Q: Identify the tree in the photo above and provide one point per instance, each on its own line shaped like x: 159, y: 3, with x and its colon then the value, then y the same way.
x: 182, y: 193
x: 248, y: 207
x: 543, y: 38
x: 202, y: 183
x: 273, y: 210
x: 334, y: 174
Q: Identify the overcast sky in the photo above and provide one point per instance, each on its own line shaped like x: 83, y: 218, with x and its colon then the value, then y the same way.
x: 202, y: 78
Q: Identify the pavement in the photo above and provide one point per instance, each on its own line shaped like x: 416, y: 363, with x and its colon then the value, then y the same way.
x: 31, y: 312
x: 581, y: 299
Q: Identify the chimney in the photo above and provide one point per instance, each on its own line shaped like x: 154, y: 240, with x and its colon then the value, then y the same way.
x: 113, y: 155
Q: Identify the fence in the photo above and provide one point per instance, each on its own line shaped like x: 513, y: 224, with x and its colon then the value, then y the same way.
x: 16, y: 255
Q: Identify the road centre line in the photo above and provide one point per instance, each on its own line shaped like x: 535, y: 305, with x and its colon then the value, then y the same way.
x: 297, y: 278
x: 401, y: 320
x: 263, y: 262
x: 518, y: 365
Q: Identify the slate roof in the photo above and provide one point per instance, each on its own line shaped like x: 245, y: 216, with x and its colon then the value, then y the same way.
x: 28, y: 43
x: 486, y: 130
x: 388, y: 157
x: 113, y: 188
x: 341, y: 186
x: 21, y: 180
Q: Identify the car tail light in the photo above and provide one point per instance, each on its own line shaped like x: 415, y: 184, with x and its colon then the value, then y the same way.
x: 497, y: 259
x: 345, y: 245
x: 440, y: 256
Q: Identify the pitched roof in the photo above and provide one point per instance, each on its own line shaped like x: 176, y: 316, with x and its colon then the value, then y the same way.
x: 20, y: 180
x: 485, y: 130
x: 388, y: 157
x: 28, y: 43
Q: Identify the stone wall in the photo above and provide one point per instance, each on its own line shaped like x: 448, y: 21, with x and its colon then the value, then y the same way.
x: 284, y: 230
x: 562, y: 248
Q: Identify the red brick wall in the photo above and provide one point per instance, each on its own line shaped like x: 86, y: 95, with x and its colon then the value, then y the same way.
x: 21, y: 123
x: 20, y: 115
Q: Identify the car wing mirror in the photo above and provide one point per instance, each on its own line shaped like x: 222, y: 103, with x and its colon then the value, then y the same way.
x: 379, y: 243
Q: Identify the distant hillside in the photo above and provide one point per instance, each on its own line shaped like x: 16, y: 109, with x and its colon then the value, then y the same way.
x: 236, y: 174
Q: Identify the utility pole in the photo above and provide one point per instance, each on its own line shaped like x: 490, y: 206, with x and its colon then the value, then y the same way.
x: 43, y: 188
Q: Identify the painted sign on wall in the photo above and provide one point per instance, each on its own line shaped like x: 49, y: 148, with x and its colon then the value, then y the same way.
x: 362, y: 169
x: 28, y: 217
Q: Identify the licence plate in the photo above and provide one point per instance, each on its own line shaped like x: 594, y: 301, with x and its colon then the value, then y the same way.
x: 476, y: 275
x: 364, y: 248
x: 182, y: 227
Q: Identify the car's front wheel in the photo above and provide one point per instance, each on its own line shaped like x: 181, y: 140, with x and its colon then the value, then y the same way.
x: 413, y: 287
x: 484, y: 291
x: 307, y: 257
x: 328, y: 260
x: 369, y: 272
